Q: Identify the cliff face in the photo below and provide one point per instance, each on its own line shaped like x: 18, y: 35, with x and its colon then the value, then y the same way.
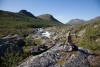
x: 62, y: 55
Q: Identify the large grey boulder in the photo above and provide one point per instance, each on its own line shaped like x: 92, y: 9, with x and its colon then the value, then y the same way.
x: 16, y: 39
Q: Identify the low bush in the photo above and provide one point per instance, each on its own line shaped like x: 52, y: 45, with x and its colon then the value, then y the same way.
x: 11, y: 58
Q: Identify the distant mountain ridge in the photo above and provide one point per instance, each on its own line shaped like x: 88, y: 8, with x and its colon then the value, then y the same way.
x: 47, y: 17
x: 80, y: 21
x: 75, y: 22
x: 94, y: 19
x: 25, y: 19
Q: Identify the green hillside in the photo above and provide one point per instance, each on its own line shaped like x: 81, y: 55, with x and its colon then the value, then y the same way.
x: 47, y: 17
x: 22, y: 20
x: 11, y: 22
x: 90, y: 39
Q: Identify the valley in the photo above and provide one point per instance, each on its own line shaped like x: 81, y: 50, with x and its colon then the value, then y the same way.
x: 23, y: 34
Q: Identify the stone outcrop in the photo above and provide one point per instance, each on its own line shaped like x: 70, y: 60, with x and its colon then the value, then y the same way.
x: 15, y: 42
x: 15, y: 39
x: 11, y: 46
x: 57, y: 57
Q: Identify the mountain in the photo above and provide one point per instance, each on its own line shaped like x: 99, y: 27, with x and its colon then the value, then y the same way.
x: 80, y: 21
x: 47, y: 17
x: 75, y: 22
x: 24, y: 19
x: 94, y: 19
x: 97, y: 18
x: 26, y: 13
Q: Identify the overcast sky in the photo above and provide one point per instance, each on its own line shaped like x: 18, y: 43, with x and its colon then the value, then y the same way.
x: 62, y: 10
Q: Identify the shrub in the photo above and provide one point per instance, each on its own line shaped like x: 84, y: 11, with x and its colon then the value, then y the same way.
x: 11, y: 58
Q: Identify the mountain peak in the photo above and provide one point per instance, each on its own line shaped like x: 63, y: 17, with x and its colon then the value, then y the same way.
x: 22, y: 11
x: 25, y: 12
x: 48, y: 17
x: 75, y: 21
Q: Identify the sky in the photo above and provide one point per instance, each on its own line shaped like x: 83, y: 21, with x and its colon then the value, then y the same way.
x: 62, y: 10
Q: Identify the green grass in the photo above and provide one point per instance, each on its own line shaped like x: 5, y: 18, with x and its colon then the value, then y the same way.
x: 89, y: 39
x: 60, y: 62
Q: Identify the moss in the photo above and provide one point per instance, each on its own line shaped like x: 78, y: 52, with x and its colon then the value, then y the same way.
x: 60, y: 62
x: 38, y: 41
x: 26, y: 48
x: 73, y: 52
x: 62, y: 40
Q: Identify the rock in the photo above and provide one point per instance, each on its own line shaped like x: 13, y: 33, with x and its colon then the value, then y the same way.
x: 56, y: 57
x: 4, y: 47
x: 45, y: 59
x: 81, y: 32
x: 2, y: 41
x: 16, y: 39
x: 11, y: 43
x: 20, y: 42
x: 70, y: 47
x: 94, y: 60
x: 77, y: 60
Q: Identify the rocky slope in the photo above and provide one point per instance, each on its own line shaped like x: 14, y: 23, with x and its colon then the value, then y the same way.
x: 61, y: 56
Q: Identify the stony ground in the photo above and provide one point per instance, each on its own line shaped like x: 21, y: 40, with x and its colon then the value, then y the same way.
x: 58, y: 57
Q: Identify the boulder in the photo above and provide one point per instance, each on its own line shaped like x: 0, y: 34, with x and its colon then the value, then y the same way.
x: 56, y: 57
x: 5, y: 47
x: 15, y: 39
x: 70, y: 47
x: 20, y: 42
